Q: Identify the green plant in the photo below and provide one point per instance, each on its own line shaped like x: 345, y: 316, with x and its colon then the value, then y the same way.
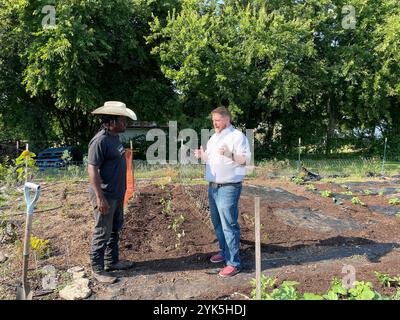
x: 311, y: 187
x: 25, y: 165
x: 167, y: 206
x: 175, y: 226
x: 336, y: 290
x: 394, y: 201
x: 388, y: 281
x: 347, y: 193
x: 266, y: 283
x: 397, y: 214
x: 326, y: 193
x: 40, y: 247
x: 362, y: 291
x: 286, y: 291
x: 298, y: 180
x: 380, y: 193
x: 367, y: 192
x: 66, y: 156
x: 356, y: 200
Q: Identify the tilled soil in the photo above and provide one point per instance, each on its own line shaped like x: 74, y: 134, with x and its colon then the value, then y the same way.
x: 167, y: 233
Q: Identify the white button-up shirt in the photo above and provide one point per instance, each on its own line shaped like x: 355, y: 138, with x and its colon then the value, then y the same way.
x: 223, y: 169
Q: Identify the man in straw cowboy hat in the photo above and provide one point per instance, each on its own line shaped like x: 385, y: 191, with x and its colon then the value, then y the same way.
x: 107, y: 177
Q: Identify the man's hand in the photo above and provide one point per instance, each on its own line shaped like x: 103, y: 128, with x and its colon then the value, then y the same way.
x: 102, y: 204
x: 224, y: 151
x: 199, y: 153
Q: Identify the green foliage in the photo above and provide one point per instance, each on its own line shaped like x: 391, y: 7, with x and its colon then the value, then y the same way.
x: 311, y: 187
x: 348, y: 193
x: 388, y: 281
x: 286, y: 291
x: 66, y: 156
x: 167, y: 206
x: 298, y: 180
x: 288, y: 68
x: 326, y: 193
x: 394, y: 201
x: 362, y: 291
x: 51, y: 78
x: 40, y: 247
x: 25, y: 165
x: 175, y: 226
x: 336, y: 291
x: 356, y: 200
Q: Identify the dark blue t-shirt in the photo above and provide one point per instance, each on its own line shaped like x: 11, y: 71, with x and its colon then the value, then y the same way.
x: 107, y: 152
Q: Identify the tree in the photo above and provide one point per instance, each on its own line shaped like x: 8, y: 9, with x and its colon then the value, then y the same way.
x: 89, y: 56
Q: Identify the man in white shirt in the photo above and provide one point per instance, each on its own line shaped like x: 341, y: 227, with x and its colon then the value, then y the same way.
x: 226, y: 155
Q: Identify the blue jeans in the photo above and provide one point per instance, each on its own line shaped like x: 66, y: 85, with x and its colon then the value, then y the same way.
x: 223, y: 202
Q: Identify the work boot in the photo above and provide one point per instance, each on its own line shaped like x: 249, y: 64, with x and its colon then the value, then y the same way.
x: 120, y: 265
x: 104, y: 277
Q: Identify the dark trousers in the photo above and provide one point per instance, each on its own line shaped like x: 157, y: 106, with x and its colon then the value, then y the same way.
x: 105, y: 248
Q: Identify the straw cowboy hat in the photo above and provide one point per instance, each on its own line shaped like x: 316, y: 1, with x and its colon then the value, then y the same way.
x: 115, y: 108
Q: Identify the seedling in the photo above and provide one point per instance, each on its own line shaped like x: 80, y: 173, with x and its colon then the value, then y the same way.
x: 388, y: 281
x: 298, y: 180
x: 356, y: 200
x: 175, y: 225
x: 326, y: 193
x: 380, y: 193
x: 167, y: 206
x: 367, y: 192
x: 394, y: 201
x: 347, y: 193
x: 311, y: 187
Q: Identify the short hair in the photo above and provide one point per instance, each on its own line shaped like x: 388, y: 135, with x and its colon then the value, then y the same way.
x: 222, y: 111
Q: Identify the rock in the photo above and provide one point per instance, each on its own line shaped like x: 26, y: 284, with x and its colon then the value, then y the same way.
x: 78, y: 290
x: 77, y: 272
x: 3, y: 257
x: 75, y: 269
x: 49, y: 281
x: 8, y: 232
x: 78, y: 275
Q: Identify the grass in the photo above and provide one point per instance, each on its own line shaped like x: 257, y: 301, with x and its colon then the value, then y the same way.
x: 340, y: 170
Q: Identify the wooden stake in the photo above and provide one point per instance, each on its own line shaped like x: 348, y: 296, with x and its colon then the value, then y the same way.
x: 26, y: 164
x: 258, y: 247
x: 131, y: 144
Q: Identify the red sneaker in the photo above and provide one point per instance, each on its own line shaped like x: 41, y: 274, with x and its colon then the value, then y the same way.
x: 217, y: 258
x: 229, y: 271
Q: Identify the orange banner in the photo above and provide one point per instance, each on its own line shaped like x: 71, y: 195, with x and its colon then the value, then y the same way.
x: 130, y: 181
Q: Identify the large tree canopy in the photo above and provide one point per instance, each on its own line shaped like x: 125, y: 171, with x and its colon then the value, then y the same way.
x: 300, y: 68
x: 95, y: 52
x: 323, y: 70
